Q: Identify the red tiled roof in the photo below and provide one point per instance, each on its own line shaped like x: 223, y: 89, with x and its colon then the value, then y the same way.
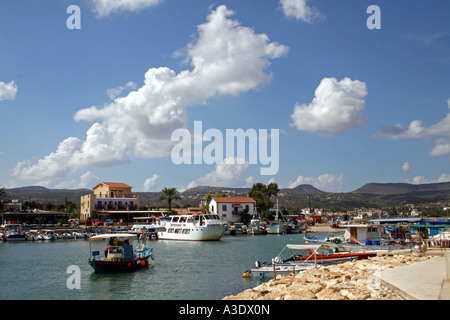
x: 233, y: 199
x: 114, y: 185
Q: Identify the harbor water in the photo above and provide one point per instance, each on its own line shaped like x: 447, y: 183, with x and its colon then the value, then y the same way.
x: 181, y: 270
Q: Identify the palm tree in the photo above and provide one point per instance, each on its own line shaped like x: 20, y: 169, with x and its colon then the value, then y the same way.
x: 169, y: 194
x: 3, y: 196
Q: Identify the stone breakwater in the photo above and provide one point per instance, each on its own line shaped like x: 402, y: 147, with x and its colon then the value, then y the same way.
x: 355, y: 280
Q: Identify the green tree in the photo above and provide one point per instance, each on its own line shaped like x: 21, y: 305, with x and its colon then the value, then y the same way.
x: 169, y: 194
x: 262, y: 194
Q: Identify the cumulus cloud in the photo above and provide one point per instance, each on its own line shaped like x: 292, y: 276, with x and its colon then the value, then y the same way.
x: 442, y: 148
x: 105, y: 7
x: 229, y: 173
x: 336, y: 107
x: 226, y: 58
x: 416, y: 130
x: 445, y: 177
x: 300, y: 10
x: 324, y: 182
x: 113, y: 93
x: 8, y: 91
x: 406, y: 167
x: 151, y: 183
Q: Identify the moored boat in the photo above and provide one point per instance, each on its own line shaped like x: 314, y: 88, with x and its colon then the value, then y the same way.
x: 279, y: 266
x: 358, y: 238
x: 193, y: 227
x: 278, y: 227
x: 13, y: 232
x: 119, y: 254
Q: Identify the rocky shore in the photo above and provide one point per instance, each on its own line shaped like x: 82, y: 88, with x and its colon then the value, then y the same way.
x: 356, y: 280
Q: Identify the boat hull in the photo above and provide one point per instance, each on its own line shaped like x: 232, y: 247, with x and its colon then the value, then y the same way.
x: 100, y: 266
x: 15, y: 237
x: 276, y: 229
x: 193, y: 234
x: 280, y: 269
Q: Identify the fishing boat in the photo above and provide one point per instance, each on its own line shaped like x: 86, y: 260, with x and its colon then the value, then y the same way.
x: 277, y: 227
x: 118, y: 254
x: 193, y: 227
x: 358, y: 238
x: 255, y: 227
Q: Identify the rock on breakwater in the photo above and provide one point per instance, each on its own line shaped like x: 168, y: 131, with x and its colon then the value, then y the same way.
x: 353, y: 280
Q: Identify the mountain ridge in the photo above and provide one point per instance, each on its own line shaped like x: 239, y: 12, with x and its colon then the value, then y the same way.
x: 384, y: 194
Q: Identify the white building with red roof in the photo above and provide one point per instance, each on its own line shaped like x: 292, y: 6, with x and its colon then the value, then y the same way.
x: 231, y: 209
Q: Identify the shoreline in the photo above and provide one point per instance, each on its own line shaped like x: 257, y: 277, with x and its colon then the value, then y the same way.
x: 353, y: 280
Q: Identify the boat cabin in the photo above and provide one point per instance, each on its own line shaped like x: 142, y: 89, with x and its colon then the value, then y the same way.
x: 363, y: 233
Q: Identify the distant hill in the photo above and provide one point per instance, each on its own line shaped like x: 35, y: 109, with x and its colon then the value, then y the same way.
x: 207, y: 189
x: 38, y: 193
x: 382, y: 189
x: 303, y: 188
x: 369, y: 195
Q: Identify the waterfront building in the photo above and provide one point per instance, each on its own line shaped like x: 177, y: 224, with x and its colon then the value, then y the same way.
x: 231, y: 209
x: 110, y: 200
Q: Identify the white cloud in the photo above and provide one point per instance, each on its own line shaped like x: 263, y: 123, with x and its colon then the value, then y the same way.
x: 227, y: 174
x: 416, y: 130
x: 336, y: 107
x: 406, y: 167
x: 106, y: 7
x: 8, y: 91
x: 442, y: 148
x: 150, y: 183
x: 445, y: 177
x: 325, y: 182
x: 113, y: 93
x: 226, y: 59
x: 300, y: 10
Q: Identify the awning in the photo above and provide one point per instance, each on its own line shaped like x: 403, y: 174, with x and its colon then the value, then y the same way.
x: 303, y: 246
x: 113, y: 235
x: 397, y: 220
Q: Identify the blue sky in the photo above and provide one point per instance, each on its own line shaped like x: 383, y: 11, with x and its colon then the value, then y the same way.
x: 353, y: 105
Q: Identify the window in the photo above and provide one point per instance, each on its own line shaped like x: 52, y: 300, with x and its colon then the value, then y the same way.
x: 224, y: 207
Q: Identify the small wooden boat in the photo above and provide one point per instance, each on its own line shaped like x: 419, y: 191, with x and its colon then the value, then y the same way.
x: 119, y: 254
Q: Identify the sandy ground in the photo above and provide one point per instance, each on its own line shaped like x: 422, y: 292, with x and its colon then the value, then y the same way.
x: 324, y: 227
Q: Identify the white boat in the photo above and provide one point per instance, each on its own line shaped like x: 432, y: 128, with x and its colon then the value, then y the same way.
x: 149, y: 224
x: 279, y: 266
x: 13, y: 232
x: 255, y: 227
x: 270, y: 271
x: 277, y: 227
x: 193, y: 227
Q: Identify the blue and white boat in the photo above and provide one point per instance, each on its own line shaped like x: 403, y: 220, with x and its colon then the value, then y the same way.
x: 119, y: 254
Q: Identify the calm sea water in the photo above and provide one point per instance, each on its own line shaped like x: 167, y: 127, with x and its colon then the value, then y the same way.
x: 180, y: 271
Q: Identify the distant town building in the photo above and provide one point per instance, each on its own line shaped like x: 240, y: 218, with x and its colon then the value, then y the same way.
x: 109, y: 200
x: 231, y: 209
